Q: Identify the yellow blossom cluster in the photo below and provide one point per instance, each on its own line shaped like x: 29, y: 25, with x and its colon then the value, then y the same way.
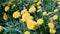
x: 28, y: 19
x: 51, y: 25
x: 31, y: 24
x: 46, y: 14
x: 52, y: 28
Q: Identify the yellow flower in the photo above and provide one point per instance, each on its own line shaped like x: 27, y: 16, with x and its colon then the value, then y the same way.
x: 39, y: 7
x: 32, y: 9
x: 35, y: 0
x: 5, y: 17
x: 23, y: 20
x: 52, y: 30
x: 39, y: 10
x: 16, y: 14
x: 49, y: 12
x: 55, y: 17
x: 13, y: 6
x: 44, y: 13
x: 38, y: 3
x: 26, y: 16
x: 40, y: 21
x: 26, y: 32
x: 24, y: 11
x: 59, y: 2
x: 51, y: 25
x: 7, y: 8
x: 1, y: 28
x: 56, y: 10
x: 31, y: 24
x: 59, y: 6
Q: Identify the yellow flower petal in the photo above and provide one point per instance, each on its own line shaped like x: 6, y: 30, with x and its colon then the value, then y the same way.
x: 51, y: 25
